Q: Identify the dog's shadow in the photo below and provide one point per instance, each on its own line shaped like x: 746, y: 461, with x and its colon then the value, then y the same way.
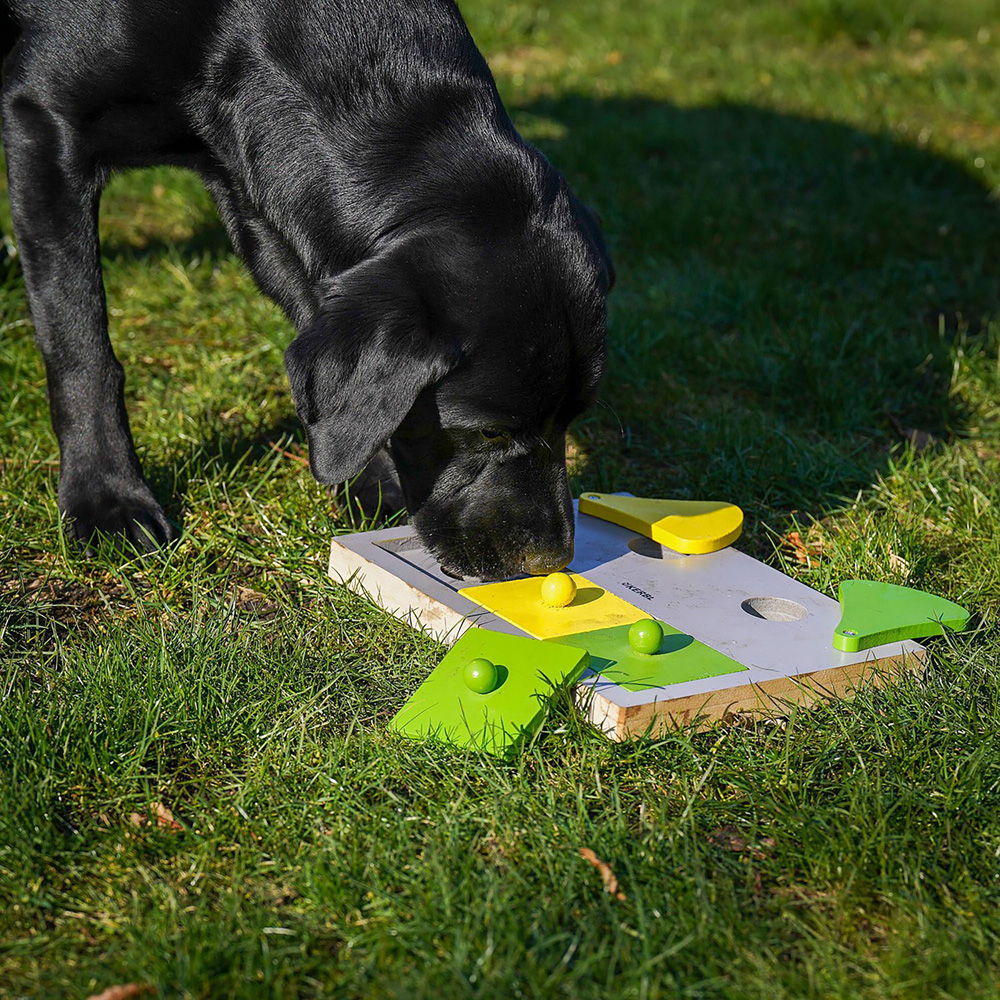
x: 372, y: 498
x: 788, y: 294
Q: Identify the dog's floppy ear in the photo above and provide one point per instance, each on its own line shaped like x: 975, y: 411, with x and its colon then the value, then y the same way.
x: 592, y: 225
x: 356, y: 370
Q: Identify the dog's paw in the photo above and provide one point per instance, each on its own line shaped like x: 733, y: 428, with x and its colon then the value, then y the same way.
x: 127, y: 519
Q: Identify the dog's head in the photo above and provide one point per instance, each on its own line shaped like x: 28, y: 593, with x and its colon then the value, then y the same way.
x: 469, y: 347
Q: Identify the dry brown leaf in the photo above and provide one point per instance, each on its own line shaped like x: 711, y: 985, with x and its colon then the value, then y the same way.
x: 124, y: 992
x: 898, y: 564
x: 918, y: 439
x: 607, y: 875
x: 729, y: 838
x: 802, y: 551
x: 164, y: 817
x: 255, y: 602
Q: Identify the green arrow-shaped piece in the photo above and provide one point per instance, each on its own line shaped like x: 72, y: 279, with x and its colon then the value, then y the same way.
x: 876, y: 613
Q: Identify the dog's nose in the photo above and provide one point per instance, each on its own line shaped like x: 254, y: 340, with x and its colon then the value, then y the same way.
x: 543, y: 563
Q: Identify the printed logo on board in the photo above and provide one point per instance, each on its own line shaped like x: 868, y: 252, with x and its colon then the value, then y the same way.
x: 636, y: 590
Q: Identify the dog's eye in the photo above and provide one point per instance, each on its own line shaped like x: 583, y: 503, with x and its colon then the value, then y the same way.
x: 494, y: 434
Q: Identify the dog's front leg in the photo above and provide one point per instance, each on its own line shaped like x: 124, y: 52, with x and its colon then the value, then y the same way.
x: 54, y: 195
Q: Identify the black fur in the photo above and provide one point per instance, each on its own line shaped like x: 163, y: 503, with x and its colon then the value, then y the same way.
x: 447, y: 288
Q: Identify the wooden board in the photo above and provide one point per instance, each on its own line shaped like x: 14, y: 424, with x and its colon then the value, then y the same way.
x: 778, y: 628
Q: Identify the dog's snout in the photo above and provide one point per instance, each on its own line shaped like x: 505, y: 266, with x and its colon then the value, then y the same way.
x: 543, y: 563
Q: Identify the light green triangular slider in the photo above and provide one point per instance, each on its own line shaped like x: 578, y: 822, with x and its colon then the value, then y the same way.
x: 490, y: 691
x: 873, y: 614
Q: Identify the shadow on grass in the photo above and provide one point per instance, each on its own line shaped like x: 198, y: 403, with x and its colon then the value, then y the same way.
x: 220, y: 452
x: 789, y: 293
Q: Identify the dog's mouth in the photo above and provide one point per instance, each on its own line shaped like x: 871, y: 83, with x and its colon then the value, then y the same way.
x: 485, y: 573
x: 481, y: 560
x: 482, y: 577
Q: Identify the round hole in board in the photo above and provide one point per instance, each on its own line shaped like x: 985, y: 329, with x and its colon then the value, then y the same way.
x: 774, y: 609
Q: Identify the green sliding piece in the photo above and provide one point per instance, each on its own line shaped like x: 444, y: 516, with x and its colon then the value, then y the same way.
x: 516, y: 674
x: 876, y: 613
x: 677, y: 658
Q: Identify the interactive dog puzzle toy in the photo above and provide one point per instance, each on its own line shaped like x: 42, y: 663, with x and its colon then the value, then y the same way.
x: 524, y: 603
x: 672, y: 638
x: 645, y: 636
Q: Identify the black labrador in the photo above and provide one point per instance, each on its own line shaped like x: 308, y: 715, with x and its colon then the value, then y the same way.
x: 447, y: 287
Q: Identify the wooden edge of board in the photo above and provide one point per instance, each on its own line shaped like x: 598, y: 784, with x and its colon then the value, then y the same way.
x: 766, y: 699
x: 399, y: 598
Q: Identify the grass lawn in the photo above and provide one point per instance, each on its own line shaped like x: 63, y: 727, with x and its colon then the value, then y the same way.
x: 197, y: 791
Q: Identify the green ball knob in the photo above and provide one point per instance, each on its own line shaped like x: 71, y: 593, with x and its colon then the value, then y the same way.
x: 645, y: 636
x: 480, y: 676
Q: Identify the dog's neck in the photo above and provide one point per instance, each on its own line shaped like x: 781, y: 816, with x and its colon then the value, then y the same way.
x: 328, y: 180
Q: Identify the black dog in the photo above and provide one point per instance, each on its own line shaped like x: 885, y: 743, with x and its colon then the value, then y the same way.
x: 447, y: 288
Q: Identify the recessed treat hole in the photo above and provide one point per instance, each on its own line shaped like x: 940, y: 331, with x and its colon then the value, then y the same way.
x: 774, y: 609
